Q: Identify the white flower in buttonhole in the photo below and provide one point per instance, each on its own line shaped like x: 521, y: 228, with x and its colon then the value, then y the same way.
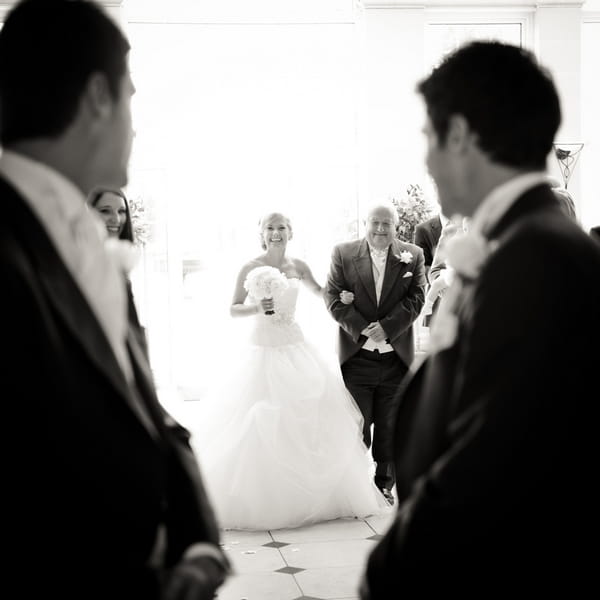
x: 123, y: 252
x: 406, y: 257
x: 266, y: 282
x: 465, y: 255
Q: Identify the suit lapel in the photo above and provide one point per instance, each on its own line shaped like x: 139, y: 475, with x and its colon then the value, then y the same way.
x: 364, y: 268
x: 62, y: 291
x: 76, y: 313
x: 436, y: 227
x: 537, y: 198
x: 393, y: 267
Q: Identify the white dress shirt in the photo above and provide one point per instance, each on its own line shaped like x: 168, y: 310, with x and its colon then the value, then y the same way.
x: 496, y: 204
x: 78, y: 235
x: 379, y: 261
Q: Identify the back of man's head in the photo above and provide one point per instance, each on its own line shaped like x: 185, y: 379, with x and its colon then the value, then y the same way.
x: 508, y: 100
x: 48, y: 50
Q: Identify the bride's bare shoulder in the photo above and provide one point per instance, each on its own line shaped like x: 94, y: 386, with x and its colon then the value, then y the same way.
x: 300, y: 267
x: 252, y: 264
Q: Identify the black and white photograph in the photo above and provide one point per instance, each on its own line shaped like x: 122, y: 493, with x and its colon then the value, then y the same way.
x: 301, y: 298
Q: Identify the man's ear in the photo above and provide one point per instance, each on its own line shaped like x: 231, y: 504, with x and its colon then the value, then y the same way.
x: 97, y: 98
x: 460, y: 137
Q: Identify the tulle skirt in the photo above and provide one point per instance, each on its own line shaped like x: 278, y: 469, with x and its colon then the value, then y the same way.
x: 280, y: 443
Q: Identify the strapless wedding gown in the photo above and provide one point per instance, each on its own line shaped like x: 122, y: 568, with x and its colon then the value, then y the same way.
x: 285, y: 445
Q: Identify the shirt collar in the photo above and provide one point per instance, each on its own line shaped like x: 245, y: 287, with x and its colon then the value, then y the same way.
x: 49, y: 193
x: 380, y: 254
x: 496, y: 204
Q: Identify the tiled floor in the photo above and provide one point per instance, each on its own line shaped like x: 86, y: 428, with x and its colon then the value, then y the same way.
x: 319, y: 562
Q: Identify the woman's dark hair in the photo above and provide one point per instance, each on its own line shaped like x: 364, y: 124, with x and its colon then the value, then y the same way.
x: 508, y: 100
x: 93, y: 199
x: 48, y: 51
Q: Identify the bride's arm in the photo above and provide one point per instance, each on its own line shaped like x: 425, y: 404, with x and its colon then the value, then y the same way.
x: 238, y: 308
x: 307, y: 277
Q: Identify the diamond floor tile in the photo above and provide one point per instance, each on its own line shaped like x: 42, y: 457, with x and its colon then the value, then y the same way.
x: 330, y: 582
x: 275, y: 545
x: 290, y: 570
x: 324, y: 561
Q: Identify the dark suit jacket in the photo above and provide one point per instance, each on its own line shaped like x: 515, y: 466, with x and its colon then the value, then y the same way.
x: 86, y: 484
x: 402, y: 296
x: 134, y: 321
x: 427, y: 235
x: 496, y: 435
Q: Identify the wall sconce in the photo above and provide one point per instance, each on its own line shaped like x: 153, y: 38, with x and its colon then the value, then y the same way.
x: 567, y: 156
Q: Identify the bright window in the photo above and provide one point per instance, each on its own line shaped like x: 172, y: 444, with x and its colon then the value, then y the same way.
x: 233, y: 120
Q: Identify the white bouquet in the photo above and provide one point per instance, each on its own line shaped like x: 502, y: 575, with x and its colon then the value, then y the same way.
x: 265, y: 282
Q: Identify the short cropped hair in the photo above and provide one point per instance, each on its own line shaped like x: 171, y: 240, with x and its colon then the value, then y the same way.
x: 508, y: 100
x: 48, y: 51
x: 382, y: 204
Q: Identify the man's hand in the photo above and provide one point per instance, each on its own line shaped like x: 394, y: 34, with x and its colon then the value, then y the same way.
x: 375, y: 332
x: 346, y: 297
x: 193, y: 579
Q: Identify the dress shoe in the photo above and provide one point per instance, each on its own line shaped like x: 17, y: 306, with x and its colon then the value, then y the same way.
x: 387, y: 494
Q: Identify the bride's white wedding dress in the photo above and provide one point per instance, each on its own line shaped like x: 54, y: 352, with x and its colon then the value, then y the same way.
x: 285, y: 444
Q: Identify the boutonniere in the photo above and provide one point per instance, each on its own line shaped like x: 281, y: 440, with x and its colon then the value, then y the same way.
x: 124, y: 254
x: 405, y: 256
x: 467, y: 253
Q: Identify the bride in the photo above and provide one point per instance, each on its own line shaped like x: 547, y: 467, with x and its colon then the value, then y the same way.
x: 285, y: 447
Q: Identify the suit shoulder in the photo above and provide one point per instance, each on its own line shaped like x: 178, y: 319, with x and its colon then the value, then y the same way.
x: 344, y: 247
x: 410, y: 247
x: 550, y: 237
x: 428, y: 222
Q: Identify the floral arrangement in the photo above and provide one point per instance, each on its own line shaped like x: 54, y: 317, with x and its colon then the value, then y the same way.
x: 467, y: 253
x: 265, y: 282
x: 413, y: 208
x: 140, y: 221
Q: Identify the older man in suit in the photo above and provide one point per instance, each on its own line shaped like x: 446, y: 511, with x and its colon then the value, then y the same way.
x: 376, y: 345
x: 496, y: 432
x: 102, y: 492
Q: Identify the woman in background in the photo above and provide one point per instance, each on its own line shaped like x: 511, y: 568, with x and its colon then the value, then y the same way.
x: 113, y: 208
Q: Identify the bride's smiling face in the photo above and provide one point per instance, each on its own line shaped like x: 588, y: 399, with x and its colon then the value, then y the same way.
x: 275, y: 232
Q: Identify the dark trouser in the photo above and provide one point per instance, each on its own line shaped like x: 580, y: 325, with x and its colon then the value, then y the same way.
x: 373, y: 380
